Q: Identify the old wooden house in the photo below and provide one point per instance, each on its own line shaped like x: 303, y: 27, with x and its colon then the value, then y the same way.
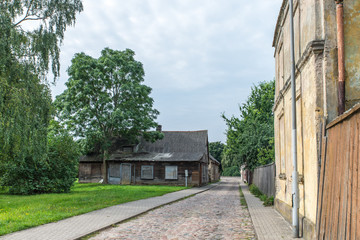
x: 214, y: 169
x: 177, y: 159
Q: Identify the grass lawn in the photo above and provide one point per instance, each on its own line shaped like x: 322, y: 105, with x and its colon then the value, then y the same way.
x: 21, y: 212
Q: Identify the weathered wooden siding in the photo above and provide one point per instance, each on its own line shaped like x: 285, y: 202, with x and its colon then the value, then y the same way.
x: 338, y: 215
x: 264, y: 179
x: 159, y: 173
x: 90, y: 172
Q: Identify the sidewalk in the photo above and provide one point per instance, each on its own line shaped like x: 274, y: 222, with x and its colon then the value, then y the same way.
x: 268, y: 223
x: 82, y: 225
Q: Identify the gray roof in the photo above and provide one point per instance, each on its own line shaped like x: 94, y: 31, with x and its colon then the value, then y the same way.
x: 213, y: 159
x: 175, y: 146
x: 159, y: 157
x: 176, y: 141
x: 91, y: 158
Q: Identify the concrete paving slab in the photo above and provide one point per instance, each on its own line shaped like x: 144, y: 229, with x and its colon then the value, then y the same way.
x: 268, y: 223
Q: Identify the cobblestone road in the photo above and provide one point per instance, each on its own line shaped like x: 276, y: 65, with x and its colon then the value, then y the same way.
x: 214, y: 214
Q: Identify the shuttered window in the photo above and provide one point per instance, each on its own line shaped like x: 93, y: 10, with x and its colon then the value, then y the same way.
x: 171, y: 172
x: 147, y: 172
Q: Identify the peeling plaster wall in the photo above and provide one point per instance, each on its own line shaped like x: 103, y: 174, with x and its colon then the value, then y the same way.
x: 316, y: 93
x: 352, y: 51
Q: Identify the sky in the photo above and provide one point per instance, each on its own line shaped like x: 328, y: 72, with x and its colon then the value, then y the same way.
x: 201, y: 57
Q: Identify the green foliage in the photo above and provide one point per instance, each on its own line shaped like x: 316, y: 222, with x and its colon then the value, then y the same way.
x: 216, y: 149
x: 266, y: 155
x: 54, y: 172
x: 105, y: 98
x: 25, y: 102
x: 22, y: 212
x: 249, y: 137
x: 231, y: 171
x: 255, y: 190
x: 267, y: 201
x: 263, y: 197
x: 63, y: 156
x: 38, y: 46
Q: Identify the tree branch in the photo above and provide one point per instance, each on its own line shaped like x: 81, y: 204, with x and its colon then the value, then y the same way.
x: 28, y: 17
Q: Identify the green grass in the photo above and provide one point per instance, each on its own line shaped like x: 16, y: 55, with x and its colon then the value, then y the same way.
x: 242, y: 198
x: 21, y: 212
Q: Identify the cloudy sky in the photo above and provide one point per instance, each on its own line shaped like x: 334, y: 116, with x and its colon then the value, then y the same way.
x: 201, y: 57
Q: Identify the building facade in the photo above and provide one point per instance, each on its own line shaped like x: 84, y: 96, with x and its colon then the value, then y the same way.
x: 214, y: 169
x: 316, y: 59
x: 180, y: 158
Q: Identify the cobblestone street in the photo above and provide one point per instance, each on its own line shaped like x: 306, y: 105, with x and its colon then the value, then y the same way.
x: 214, y: 214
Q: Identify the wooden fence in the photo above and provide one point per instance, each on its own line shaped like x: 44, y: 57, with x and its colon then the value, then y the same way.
x: 338, y: 211
x: 264, y: 179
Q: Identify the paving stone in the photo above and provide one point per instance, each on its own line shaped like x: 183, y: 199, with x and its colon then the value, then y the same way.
x: 78, y: 226
x: 214, y: 214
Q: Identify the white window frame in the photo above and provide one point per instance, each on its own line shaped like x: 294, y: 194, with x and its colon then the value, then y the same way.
x: 152, y: 172
x: 168, y: 175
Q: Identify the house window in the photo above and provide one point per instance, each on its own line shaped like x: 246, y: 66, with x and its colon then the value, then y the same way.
x: 171, y: 172
x: 147, y: 172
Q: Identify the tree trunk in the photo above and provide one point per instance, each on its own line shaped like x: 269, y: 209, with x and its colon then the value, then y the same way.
x: 105, y: 168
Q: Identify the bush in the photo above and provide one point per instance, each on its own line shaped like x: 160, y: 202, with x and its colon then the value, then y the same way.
x: 54, y: 171
x: 231, y: 171
x: 269, y: 201
x: 263, y: 197
x: 255, y: 190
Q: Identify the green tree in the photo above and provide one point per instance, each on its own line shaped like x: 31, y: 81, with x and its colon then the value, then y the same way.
x: 105, y: 98
x: 216, y: 149
x: 26, y: 52
x: 249, y: 136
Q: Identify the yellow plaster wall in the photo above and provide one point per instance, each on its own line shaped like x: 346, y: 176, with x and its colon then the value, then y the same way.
x: 308, y: 108
x: 352, y: 51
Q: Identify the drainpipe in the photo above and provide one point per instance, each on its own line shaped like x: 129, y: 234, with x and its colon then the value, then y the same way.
x: 341, y: 55
x: 295, y: 187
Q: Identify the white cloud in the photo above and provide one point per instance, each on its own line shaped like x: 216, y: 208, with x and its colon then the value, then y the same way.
x: 200, y: 57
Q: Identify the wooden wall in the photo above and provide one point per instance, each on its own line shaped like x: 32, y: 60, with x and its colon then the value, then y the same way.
x: 338, y: 211
x: 194, y: 173
x: 90, y: 172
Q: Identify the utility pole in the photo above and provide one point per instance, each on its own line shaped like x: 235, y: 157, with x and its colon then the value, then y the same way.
x: 295, y: 188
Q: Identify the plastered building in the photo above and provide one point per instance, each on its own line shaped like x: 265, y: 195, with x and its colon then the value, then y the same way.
x: 316, y: 59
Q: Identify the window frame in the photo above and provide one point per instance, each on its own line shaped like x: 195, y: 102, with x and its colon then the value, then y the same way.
x: 166, y: 172
x: 152, y: 172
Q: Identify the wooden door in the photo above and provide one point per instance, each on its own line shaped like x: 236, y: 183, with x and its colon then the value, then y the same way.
x: 125, y: 173
x: 114, y: 173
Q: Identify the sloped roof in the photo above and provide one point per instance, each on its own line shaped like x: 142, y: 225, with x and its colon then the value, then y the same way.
x: 159, y: 157
x: 175, y: 146
x: 213, y: 159
x: 176, y: 141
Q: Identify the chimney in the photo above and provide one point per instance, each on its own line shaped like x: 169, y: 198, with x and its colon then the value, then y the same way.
x: 159, y: 128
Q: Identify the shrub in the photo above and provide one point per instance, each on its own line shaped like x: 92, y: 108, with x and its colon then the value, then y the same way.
x: 54, y: 171
x: 255, y: 190
x: 269, y: 201
x: 263, y: 197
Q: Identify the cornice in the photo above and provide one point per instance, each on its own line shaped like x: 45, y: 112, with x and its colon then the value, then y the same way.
x: 313, y: 47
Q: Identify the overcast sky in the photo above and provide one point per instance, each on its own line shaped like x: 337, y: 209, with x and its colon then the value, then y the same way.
x: 201, y: 57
